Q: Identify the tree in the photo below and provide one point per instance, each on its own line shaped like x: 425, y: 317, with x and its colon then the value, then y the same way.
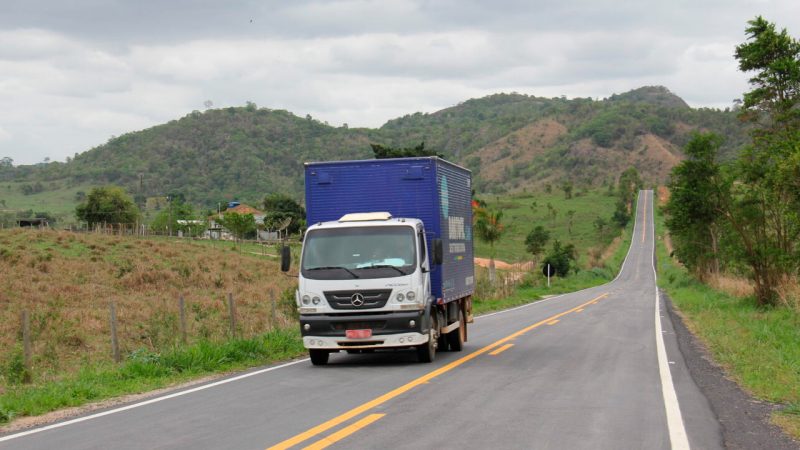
x: 601, y: 226
x: 570, y: 218
x: 762, y: 206
x: 110, y: 204
x: 239, y: 224
x: 775, y: 57
x: 693, y: 208
x: 180, y: 216
x: 382, y: 152
x: 567, y: 188
x: 489, y: 229
x: 621, y: 215
x: 279, y: 207
x: 562, y: 258
x: 628, y: 187
x: 536, y: 241
x: 6, y: 163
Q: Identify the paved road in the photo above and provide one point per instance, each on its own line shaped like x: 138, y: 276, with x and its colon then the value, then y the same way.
x: 584, y: 370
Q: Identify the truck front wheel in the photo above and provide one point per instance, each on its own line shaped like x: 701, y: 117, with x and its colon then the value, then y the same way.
x: 427, y: 351
x: 319, y: 357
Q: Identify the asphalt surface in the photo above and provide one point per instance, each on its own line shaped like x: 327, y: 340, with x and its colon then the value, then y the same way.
x: 575, y: 371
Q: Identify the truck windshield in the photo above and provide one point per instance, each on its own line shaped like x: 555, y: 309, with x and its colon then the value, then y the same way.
x: 359, y: 252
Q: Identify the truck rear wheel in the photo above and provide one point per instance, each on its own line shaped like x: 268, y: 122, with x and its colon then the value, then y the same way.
x: 457, y: 337
x: 319, y: 357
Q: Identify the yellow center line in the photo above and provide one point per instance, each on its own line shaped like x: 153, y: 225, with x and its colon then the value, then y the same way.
x: 323, y: 427
x: 344, y: 432
x: 501, y: 349
x: 579, y: 310
x: 553, y: 322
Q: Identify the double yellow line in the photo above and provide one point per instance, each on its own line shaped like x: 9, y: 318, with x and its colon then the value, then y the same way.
x: 321, y: 428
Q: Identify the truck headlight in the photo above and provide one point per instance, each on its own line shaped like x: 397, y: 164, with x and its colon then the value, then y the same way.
x: 315, y: 300
x: 400, y: 297
x: 306, y: 299
x: 411, y: 296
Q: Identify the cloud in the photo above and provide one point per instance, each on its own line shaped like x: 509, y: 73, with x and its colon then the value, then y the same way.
x: 76, y: 73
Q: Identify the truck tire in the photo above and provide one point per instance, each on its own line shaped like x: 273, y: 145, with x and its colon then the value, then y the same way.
x: 427, y: 352
x: 457, y: 337
x: 442, y: 343
x: 319, y: 357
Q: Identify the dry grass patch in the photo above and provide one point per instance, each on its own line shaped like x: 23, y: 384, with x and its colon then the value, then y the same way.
x: 67, y: 282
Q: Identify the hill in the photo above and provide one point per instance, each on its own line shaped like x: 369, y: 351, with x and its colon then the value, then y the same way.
x: 512, y: 142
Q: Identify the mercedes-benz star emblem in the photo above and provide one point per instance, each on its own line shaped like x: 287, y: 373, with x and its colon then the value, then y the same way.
x: 357, y: 300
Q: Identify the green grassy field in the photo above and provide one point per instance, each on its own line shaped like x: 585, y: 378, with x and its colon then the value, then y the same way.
x: 57, y: 199
x: 759, y: 348
x: 520, y: 216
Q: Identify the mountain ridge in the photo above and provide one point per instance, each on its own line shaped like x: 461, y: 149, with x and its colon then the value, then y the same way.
x: 510, y: 141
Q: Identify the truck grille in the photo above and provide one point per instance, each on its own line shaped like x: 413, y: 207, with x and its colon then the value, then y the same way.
x: 375, y: 298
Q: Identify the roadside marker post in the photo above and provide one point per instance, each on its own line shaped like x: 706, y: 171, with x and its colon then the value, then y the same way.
x: 548, y: 275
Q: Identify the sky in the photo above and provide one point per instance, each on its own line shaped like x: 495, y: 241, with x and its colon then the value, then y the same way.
x: 75, y: 73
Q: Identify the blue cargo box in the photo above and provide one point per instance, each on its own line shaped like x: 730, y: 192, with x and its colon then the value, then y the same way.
x: 430, y: 189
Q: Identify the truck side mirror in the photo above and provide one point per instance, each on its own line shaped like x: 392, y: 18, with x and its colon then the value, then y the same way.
x: 438, y: 252
x: 286, y: 258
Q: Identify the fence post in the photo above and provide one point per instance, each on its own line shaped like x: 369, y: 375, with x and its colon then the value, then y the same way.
x: 114, y: 341
x: 182, y: 305
x: 26, y: 345
x: 232, y: 314
x: 273, y: 319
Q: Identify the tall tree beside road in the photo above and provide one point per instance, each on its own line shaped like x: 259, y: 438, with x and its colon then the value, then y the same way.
x: 489, y: 229
x: 110, y: 204
x: 759, y: 194
x: 693, y: 207
x: 764, y: 205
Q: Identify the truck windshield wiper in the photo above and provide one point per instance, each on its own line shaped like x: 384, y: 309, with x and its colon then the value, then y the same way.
x: 335, y: 267
x: 384, y: 266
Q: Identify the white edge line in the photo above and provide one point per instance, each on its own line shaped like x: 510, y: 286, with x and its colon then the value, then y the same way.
x: 147, y: 402
x: 269, y: 369
x: 677, y: 430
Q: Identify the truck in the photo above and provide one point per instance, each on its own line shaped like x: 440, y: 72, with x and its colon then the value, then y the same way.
x: 387, y: 259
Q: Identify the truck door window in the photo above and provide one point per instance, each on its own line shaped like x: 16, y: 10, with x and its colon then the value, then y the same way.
x: 422, y: 254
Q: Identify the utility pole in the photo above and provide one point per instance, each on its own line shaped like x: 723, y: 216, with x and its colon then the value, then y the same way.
x: 169, y: 200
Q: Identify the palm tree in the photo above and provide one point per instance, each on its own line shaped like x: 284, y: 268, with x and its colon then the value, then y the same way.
x: 489, y: 229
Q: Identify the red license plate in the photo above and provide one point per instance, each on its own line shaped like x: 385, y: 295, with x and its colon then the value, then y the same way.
x: 358, y: 334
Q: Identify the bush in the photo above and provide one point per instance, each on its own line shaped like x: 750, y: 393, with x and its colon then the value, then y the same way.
x: 561, y: 258
x: 14, y: 369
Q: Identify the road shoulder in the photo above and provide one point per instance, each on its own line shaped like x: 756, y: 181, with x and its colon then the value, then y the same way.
x: 744, y: 420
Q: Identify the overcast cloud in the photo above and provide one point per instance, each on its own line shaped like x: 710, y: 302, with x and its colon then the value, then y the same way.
x: 72, y: 74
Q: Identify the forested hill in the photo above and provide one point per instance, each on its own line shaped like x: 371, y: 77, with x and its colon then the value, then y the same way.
x: 510, y: 141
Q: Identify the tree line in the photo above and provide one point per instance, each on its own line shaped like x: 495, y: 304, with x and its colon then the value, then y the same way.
x: 743, y: 216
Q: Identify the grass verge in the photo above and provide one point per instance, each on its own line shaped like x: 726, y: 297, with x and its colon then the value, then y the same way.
x: 759, y: 348
x: 144, y: 371
x: 534, y: 287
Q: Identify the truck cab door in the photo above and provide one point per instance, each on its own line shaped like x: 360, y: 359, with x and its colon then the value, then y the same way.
x: 424, y: 263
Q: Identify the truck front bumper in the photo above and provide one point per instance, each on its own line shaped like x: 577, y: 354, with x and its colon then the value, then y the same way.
x: 389, y: 330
